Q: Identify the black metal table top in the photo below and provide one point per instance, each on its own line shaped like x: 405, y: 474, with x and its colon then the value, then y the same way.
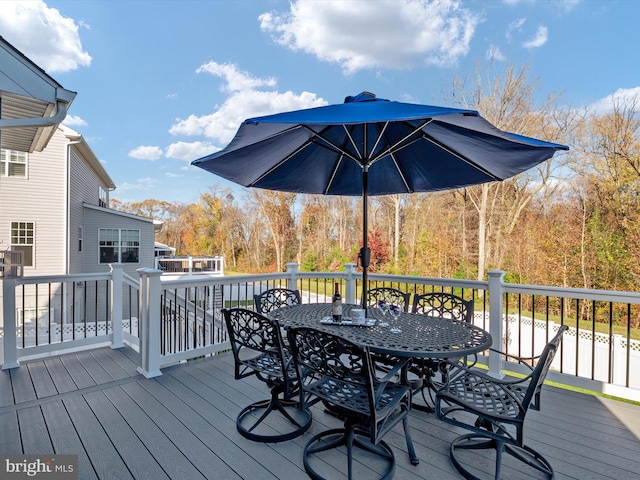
x: 422, y: 336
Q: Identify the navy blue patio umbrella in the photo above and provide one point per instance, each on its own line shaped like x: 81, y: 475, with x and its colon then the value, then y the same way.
x: 371, y: 146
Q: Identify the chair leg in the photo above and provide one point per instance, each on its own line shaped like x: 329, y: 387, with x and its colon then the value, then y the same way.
x: 407, y: 435
x: 475, y: 441
x: 246, y: 424
x: 351, y: 439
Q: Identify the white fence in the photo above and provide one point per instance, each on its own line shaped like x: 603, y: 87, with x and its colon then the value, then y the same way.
x: 172, y: 318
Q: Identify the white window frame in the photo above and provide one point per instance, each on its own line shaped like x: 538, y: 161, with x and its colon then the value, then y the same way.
x: 12, y: 161
x: 21, y: 239
x: 80, y: 239
x: 33, y: 315
x: 114, y: 245
x: 102, y: 197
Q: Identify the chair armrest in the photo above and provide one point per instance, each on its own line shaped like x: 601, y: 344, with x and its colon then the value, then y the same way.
x: 391, y: 374
x: 520, y: 360
x: 459, y: 369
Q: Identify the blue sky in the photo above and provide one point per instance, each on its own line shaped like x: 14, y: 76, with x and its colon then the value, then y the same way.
x: 161, y: 83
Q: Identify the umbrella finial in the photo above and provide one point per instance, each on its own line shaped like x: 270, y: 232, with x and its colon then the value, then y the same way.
x: 362, y: 97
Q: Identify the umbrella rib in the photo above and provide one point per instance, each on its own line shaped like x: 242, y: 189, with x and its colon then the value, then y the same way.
x: 442, y: 146
x: 395, y: 147
x: 334, y: 147
x: 400, y: 172
x: 284, y: 160
x: 333, y: 175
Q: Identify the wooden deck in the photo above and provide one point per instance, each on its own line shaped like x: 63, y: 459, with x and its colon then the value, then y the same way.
x: 181, y: 425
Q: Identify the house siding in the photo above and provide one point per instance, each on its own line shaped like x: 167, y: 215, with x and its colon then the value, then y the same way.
x: 96, y: 218
x: 84, y: 188
x: 39, y: 198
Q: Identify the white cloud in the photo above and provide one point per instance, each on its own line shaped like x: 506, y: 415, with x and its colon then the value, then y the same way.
x: 74, y: 121
x: 47, y: 38
x: 494, y: 53
x: 222, y: 124
x: 540, y: 38
x: 172, y: 175
x: 361, y: 34
x: 189, y: 151
x: 235, y: 80
x: 141, y: 184
x: 144, y: 152
x: 515, y: 26
x: 621, y: 96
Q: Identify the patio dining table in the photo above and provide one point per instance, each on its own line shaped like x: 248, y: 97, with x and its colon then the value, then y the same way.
x: 422, y: 336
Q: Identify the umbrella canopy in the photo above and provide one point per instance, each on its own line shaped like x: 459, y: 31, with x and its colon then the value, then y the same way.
x: 371, y: 146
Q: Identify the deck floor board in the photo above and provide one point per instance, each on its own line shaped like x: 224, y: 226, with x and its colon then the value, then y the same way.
x: 181, y: 425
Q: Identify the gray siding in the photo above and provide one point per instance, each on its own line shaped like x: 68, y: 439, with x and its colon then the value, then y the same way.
x: 84, y: 187
x: 96, y: 218
x: 39, y: 198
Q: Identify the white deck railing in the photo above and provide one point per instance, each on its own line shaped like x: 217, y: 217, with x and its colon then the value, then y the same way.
x: 173, y: 318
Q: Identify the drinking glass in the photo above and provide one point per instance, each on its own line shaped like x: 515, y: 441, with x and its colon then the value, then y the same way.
x: 384, y: 308
x: 395, y: 313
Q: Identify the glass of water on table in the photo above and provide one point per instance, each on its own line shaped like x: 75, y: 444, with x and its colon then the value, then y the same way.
x: 384, y: 308
x: 395, y: 313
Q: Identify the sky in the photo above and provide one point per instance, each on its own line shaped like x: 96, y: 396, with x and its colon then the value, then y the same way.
x: 161, y: 83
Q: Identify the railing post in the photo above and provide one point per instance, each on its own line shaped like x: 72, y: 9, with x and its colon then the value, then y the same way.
x: 220, y: 265
x: 350, y: 283
x: 10, y: 349
x: 116, y: 305
x: 150, y: 295
x: 495, y: 321
x: 293, y: 269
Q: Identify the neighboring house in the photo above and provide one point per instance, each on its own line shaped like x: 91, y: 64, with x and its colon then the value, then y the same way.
x: 54, y: 208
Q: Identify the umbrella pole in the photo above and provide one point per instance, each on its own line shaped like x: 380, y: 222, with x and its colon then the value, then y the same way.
x: 364, y: 251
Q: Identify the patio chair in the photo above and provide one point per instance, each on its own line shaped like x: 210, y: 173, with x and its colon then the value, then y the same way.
x: 444, y: 305
x: 276, y: 298
x: 341, y: 375
x: 258, y: 349
x: 392, y: 296
x: 495, y: 410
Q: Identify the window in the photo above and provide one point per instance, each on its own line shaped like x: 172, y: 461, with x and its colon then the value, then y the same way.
x: 13, y: 163
x: 22, y: 240
x: 102, y: 197
x: 80, y: 238
x: 118, y: 245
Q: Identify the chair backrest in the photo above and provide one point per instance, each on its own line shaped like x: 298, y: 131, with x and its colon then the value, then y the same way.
x: 276, y: 298
x: 446, y: 305
x: 539, y: 373
x: 392, y: 296
x: 252, y: 334
x: 320, y: 355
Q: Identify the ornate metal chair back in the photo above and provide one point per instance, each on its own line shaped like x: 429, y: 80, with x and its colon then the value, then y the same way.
x: 276, y: 298
x: 446, y: 305
x: 392, y: 296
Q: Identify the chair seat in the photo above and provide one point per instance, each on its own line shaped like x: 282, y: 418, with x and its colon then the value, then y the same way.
x: 354, y: 398
x: 481, y: 394
x: 268, y: 364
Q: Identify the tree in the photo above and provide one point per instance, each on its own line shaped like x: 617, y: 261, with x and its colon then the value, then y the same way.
x: 507, y: 101
x: 276, y: 210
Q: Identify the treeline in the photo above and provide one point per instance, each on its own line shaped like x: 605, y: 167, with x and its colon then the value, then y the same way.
x: 573, y: 221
